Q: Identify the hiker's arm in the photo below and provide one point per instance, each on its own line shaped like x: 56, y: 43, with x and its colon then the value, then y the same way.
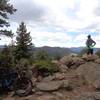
x: 94, y: 42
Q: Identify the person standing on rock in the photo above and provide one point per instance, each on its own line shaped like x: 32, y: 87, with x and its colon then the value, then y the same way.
x: 90, y: 43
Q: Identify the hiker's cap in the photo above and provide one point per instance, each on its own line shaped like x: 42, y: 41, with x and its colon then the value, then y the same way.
x: 89, y: 36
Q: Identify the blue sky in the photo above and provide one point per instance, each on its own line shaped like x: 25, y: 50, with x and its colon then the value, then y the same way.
x: 63, y: 23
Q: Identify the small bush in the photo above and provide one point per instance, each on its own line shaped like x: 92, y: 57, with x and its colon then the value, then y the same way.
x: 41, y: 55
x: 6, y: 57
x: 45, y: 66
x: 23, y: 64
x: 57, y: 57
x: 82, y: 52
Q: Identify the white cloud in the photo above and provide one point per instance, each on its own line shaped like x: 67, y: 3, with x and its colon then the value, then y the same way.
x: 86, y: 10
x: 57, y: 16
x: 4, y: 40
x: 81, y: 37
x: 56, y: 13
x: 97, y: 39
x: 43, y: 38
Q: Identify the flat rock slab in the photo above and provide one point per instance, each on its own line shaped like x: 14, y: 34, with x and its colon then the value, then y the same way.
x: 49, y: 86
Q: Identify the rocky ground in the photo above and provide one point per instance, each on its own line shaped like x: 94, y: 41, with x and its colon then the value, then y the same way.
x: 77, y: 79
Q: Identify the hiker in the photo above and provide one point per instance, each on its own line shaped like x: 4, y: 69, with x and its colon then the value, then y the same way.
x: 90, y: 43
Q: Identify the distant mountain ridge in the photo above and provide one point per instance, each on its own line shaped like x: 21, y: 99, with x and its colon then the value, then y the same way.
x: 54, y: 51
x: 78, y: 49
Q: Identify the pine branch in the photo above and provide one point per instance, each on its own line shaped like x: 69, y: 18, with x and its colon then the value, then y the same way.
x: 3, y: 23
x: 6, y: 33
x: 6, y: 7
x: 3, y: 14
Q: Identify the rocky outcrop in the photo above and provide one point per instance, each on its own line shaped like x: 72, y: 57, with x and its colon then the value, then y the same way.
x: 78, y: 78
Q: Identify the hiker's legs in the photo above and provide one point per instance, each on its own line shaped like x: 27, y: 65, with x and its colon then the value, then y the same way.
x: 88, y: 51
x: 91, y: 51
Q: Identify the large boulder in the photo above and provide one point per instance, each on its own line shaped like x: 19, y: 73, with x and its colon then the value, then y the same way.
x: 78, y: 61
x: 62, y: 68
x: 97, y: 61
x: 67, y: 60
x: 71, y: 61
x: 91, y: 72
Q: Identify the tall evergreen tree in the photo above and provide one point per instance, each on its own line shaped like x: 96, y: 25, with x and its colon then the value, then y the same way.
x: 5, y: 9
x: 23, y: 43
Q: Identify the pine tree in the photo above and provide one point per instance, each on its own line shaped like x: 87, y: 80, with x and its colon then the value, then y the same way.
x: 5, y: 9
x: 23, y: 43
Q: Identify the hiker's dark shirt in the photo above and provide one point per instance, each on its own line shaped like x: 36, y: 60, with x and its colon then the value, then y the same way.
x: 89, y: 42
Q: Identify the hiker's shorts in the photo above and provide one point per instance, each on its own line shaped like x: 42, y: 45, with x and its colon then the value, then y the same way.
x: 89, y: 51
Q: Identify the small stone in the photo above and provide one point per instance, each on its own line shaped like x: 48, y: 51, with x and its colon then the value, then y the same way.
x: 58, y: 94
x: 59, y: 76
x: 33, y: 90
x: 49, y: 78
x: 39, y: 93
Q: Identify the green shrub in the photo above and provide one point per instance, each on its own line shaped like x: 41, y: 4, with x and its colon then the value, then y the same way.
x: 57, y: 57
x: 45, y: 66
x: 24, y: 65
x: 82, y: 52
x: 41, y: 55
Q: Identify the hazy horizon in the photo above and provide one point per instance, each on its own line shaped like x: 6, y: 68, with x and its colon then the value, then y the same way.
x: 56, y: 46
